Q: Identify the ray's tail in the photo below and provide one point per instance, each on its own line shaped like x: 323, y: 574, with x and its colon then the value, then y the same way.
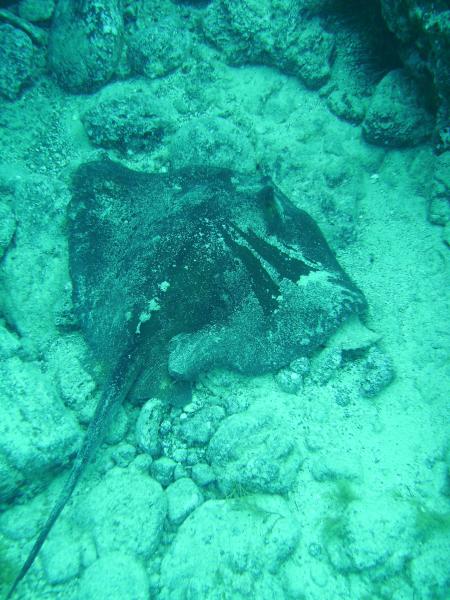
x: 81, y: 461
x: 112, y: 396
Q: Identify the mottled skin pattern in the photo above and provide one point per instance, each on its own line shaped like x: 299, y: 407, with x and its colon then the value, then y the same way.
x: 180, y: 272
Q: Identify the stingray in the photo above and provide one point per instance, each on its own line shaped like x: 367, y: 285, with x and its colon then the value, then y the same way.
x: 181, y: 272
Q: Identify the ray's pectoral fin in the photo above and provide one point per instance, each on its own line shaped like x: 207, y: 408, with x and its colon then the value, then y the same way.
x: 191, y: 353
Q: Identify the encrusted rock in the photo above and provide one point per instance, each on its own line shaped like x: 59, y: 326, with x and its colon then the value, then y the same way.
x: 163, y: 470
x: 183, y: 497
x: 159, y: 48
x: 271, y: 33
x: 376, y: 534
x: 124, y: 454
x: 203, y: 474
x: 212, y: 141
x: 378, y: 372
x: 231, y: 549
x: 397, y: 115
x: 16, y: 61
x: 114, y: 576
x: 36, y: 437
x: 34, y: 281
x: 254, y: 452
x: 36, y: 10
x: 128, y: 122
x: 422, y: 29
x: 85, y: 43
x: 199, y: 427
x: 289, y: 381
x: 346, y: 106
x: 147, y: 427
x: 61, y: 557
x: 125, y: 512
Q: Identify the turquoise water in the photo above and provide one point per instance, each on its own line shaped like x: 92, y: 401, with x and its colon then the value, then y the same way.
x: 224, y: 305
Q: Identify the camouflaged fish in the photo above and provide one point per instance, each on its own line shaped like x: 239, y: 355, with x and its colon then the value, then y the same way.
x: 180, y: 272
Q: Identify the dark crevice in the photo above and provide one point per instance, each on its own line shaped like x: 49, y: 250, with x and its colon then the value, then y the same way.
x: 376, y: 50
